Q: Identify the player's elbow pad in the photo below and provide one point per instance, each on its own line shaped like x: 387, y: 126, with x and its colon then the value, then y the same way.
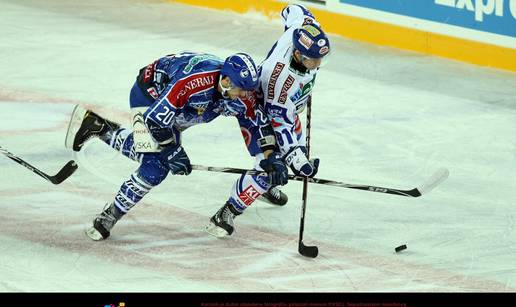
x: 162, y: 136
x: 267, y: 140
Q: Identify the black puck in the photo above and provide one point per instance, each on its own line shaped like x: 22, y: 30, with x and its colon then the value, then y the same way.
x: 400, y: 248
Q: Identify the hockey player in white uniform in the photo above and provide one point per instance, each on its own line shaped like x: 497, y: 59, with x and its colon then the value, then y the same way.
x: 287, y: 77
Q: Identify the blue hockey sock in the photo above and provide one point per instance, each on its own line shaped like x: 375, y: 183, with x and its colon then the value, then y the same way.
x: 131, y: 192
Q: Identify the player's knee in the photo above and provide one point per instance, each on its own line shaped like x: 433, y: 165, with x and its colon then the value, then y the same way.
x: 152, y: 169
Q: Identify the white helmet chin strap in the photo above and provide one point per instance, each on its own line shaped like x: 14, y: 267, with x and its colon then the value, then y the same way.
x: 224, y: 88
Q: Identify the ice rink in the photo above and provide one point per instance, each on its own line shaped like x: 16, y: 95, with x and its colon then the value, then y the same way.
x: 380, y: 116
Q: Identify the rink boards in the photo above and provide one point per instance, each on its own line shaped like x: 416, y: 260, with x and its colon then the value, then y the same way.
x: 478, y: 32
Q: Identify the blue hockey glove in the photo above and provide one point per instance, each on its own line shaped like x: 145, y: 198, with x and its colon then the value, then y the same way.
x: 176, y: 159
x: 276, y: 168
x: 300, y: 165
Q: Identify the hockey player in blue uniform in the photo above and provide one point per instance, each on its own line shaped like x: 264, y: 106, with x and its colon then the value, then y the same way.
x: 287, y: 77
x: 169, y: 95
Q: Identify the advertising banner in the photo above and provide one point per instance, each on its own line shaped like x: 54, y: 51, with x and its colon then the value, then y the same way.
x: 493, y: 16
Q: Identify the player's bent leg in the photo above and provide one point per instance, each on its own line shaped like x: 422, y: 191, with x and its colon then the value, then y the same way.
x: 150, y: 173
x: 84, y: 125
x: 244, y: 192
x: 122, y: 140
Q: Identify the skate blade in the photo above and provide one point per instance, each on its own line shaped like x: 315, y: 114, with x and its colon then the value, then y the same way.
x: 74, y: 125
x: 93, y: 234
x: 216, y: 231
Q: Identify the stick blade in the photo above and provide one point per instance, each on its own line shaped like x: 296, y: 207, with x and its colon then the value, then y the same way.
x: 436, y: 179
x: 308, y: 251
x: 64, y: 173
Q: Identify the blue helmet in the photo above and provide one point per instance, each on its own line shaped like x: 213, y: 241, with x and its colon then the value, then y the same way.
x: 311, y: 41
x: 241, y: 70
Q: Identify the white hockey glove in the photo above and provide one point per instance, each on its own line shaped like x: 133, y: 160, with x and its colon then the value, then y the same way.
x: 300, y: 165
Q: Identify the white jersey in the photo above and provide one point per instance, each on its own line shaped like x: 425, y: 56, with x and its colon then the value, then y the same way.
x: 286, y: 90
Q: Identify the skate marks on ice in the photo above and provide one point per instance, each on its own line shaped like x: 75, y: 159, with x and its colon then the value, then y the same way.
x: 162, y: 238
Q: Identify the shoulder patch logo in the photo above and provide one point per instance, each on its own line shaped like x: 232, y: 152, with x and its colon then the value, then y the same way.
x: 196, y: 60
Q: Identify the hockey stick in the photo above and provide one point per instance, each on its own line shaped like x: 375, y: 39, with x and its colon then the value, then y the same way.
x: 307, y: 251
x: 61, y: 176
x: 422, y: 189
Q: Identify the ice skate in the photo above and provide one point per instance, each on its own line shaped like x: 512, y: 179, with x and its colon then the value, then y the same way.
x: 103, y: 223
x: 85, y: 124
x: 221, y: 224
x: 274, y: 197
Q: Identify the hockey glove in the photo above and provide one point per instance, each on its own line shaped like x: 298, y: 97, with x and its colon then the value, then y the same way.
x: 176, y: 159
x: 300, y: 165
x: 276, y: 168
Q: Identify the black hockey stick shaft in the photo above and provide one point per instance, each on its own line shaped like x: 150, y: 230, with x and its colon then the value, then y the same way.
x: 433, y: 181
x: 62, y: 175
x: 307, y: 251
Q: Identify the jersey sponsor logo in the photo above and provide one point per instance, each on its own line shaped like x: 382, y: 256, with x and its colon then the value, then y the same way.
x: 296, y: 95
x: 307, y: 88
x: 304, y: 89
x: 249, y: 195
x: 272, y: 81
x: 183, y: 89
x: 286, y: 86
x: 196, y: 83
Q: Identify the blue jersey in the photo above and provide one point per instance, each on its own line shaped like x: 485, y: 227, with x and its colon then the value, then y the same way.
x: 183, y: 88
